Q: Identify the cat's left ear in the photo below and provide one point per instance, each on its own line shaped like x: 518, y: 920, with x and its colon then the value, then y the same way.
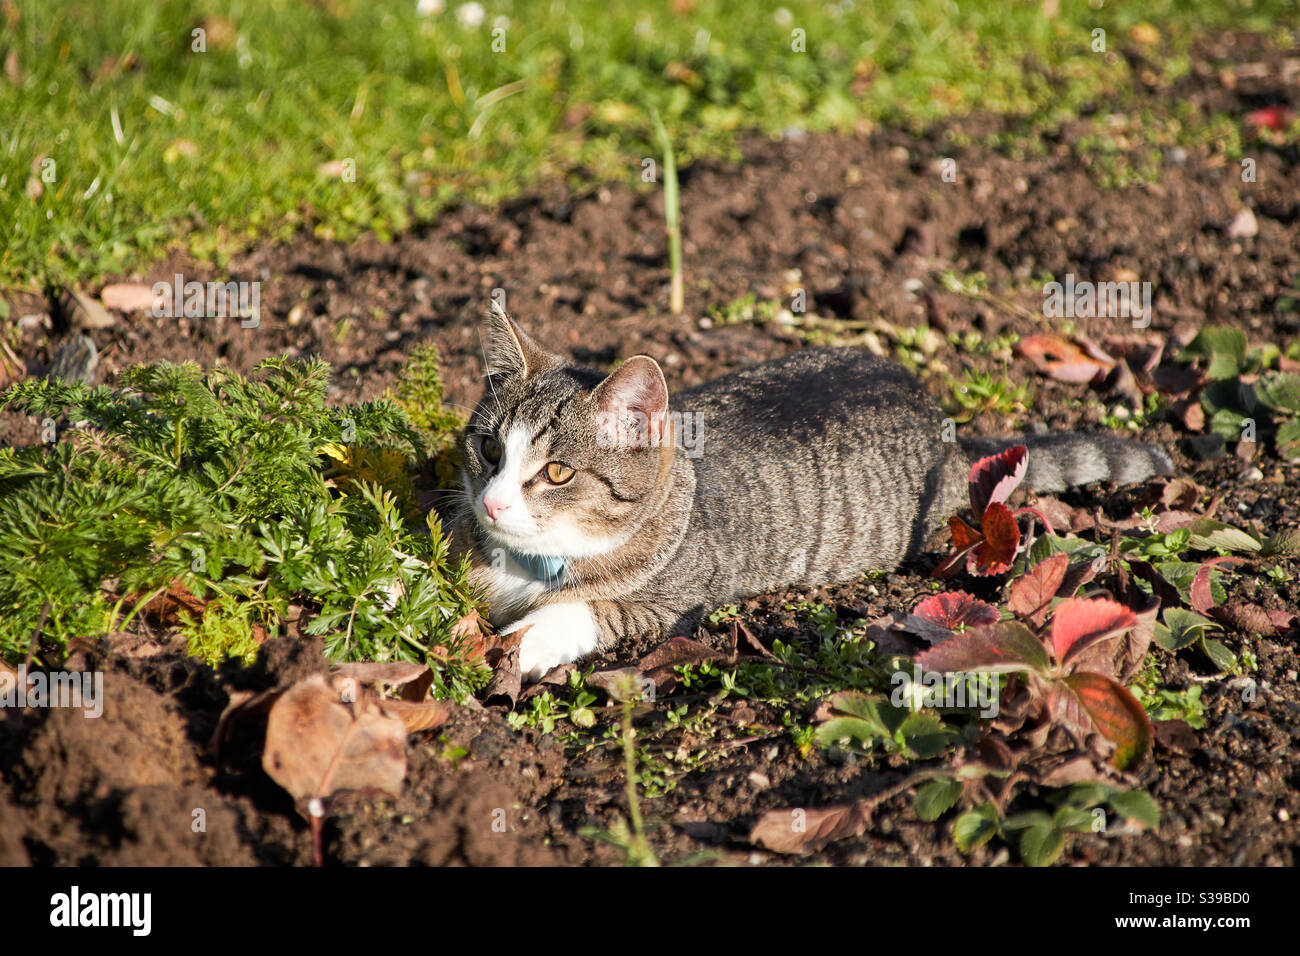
x: 508, y: 350
x: 633, y: 402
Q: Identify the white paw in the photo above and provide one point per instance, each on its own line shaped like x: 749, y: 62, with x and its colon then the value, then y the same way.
x: 557, y: 634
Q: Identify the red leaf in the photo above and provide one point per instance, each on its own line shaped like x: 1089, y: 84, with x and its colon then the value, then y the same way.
x: 1077, y: 624
x: 1271, y: 117
x: 1001, y: 538
x: 1115, y: 714
x: 1064, y: 360
x: 1201, y: 594
x: 963, y: 535
x: 1032, y: 594
x: 992, y: 479
x: 1122, y: 658
x: 1000, y: 648
x: 952, y: 609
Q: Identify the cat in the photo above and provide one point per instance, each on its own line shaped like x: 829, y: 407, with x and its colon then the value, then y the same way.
x: 589, y: 518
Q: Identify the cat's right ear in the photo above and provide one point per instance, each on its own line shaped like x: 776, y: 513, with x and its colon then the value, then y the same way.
x: 633, y: 403
x: 508, y: 349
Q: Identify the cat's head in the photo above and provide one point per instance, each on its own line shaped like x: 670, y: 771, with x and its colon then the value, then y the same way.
x: 561, y: 460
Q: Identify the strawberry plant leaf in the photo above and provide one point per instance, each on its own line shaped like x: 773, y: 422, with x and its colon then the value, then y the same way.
x: 797, y: 830
x: 1136, y: 805
x: 1201, y: 593
x: 1181, y: 574
x: 1219, y: 655
x: 1210, y: 535
x: 1181, y: 628
x: 856, y: 717
x: 1069, y: 819
x: 923, y: 736
x: 1115, y: 714
x: 1281, y: 392
x: 954, y: 609
x: 1031, y: 595
x: 1122, y: 657
x: 1077, y: 624
x: 963, y: 535
x: 1288, y: 440
x: 1000, y: 648
x: 934, y: 799
x: 1223, y: 346
x: 1001, y: 538
x: 993, y: 479
x: 1285, y: 543
x: 975, y: 827
x: 1041, y: 845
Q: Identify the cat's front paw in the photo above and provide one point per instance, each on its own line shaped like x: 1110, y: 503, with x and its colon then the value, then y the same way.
x: 557, y: 634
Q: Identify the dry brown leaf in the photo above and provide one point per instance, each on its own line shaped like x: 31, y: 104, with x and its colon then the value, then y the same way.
x: 393, y: 673
x: 1081, y: 769
x: 469, y: 629
x: 504, y: 658
x: 738, y: 631
x: 417, y: 715
x: 797, y: 830
x: 242, y: 705
x: 1180, y: 494
x: 316, y: 745
x: 130, y: 297
x: 658, y: 665
x: 1064, y: 360
x: 165, y: 608
x: 1062, y: 516
x: 1246, y: 618
x: 83, y: 312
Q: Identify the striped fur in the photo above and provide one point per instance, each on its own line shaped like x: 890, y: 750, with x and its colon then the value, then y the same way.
x: 813, y: 468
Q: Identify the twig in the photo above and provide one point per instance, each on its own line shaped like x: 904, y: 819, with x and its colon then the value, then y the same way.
x: 31, y: 647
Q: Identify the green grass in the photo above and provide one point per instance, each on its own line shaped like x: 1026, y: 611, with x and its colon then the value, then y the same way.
x: 154, y: 144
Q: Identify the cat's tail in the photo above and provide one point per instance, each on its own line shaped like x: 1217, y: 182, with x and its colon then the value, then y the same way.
x: 1063, y: 460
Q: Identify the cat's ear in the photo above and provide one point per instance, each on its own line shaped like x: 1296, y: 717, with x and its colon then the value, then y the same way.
x: 508, y: 349
x: 633, y: 402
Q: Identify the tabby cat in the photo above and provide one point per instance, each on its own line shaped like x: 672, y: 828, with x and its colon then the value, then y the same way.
x: 592, y: 513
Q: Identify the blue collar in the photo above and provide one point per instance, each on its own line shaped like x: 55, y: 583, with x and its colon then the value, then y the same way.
x: 547, y: 569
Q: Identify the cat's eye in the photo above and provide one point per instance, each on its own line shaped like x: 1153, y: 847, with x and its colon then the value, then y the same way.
x: 558, y: 474
x: 491, y: 449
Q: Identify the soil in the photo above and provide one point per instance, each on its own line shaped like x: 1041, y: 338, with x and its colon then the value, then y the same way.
x: 850, y: 220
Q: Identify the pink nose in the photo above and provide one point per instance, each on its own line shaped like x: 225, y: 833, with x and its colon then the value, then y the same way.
x: 494, y: 507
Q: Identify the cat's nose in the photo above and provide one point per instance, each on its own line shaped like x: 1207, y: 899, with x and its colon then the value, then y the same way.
x: 494, y: 507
